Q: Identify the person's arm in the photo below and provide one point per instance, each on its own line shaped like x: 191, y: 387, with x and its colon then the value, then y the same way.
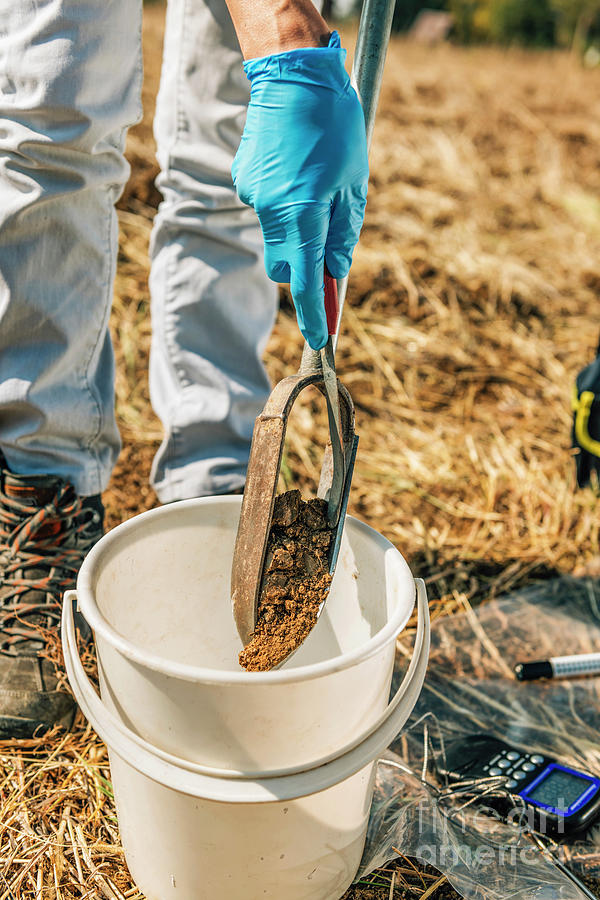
x: 302, y: 161
x: 274, y: 26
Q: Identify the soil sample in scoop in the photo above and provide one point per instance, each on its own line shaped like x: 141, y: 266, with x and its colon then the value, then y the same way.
x: 295, y: 581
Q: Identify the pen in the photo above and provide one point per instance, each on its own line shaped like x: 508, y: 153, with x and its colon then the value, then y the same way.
x: 559, y: 667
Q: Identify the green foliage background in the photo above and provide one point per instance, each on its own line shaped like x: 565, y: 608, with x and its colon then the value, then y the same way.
x: 566, y: 23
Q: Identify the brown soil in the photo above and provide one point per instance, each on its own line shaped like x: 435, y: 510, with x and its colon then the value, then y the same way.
x: 296, y: 580
x: 402, y: 879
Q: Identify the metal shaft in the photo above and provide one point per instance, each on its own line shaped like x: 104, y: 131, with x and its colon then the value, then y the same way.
x: 367, y: 73
x: 369, y: 58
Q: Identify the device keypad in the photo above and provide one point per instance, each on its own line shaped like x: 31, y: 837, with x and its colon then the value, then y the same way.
x: 516, y: 766
x: 485, y: 755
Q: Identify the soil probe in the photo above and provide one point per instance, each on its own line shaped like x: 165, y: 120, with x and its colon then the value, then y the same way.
x: 316, y: 368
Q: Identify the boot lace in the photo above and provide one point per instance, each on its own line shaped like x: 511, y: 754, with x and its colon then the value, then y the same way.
x: 41, y: 551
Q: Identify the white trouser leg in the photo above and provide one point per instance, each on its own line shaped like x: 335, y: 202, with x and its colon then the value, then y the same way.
x: 213, y: 306
x: 70, y: 83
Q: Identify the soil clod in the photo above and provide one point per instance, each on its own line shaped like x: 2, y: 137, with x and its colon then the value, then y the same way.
x: 295, y: 582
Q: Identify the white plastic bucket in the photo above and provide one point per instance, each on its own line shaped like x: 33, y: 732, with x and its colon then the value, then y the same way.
x: 156, y: 591
x: 231, y: 784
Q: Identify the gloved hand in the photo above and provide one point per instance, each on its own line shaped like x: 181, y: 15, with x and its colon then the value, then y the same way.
x: 302, y: 164
x: 586, y: 422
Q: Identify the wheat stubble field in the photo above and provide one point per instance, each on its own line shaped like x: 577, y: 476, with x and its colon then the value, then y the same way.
x: 473, y: 301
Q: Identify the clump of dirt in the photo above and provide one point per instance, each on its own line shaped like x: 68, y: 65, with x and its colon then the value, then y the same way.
x: 295, y: 582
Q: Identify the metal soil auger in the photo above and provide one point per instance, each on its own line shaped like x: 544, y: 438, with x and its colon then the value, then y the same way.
x: 316, y: 368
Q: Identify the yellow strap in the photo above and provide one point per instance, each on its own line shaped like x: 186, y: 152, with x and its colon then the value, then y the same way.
x: 582, y: 408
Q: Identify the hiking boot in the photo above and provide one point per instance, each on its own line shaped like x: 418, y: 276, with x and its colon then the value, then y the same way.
x: 46, y: 529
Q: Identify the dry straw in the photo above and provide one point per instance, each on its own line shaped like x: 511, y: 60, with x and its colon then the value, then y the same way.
x: 473, y: 302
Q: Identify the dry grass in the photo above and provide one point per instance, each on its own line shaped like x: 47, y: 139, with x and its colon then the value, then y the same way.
x: 472, y: 304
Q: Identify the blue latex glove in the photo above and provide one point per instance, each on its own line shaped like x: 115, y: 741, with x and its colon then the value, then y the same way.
x: 302, y: 164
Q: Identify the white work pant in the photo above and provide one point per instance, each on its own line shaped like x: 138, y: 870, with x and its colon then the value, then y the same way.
x: 70, y: 85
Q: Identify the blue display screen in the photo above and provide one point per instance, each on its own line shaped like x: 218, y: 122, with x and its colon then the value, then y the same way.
x: 559, y: 789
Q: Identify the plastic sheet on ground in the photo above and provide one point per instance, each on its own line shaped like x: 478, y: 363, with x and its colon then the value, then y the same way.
x: 470, y: 687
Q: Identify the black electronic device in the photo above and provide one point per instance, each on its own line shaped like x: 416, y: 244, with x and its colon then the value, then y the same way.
x: 563, y: 800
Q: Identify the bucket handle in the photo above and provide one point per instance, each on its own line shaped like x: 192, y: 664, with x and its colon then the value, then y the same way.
x: 191, y: 778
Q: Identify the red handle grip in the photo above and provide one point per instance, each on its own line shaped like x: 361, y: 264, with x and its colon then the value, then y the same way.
x: 332, y: 308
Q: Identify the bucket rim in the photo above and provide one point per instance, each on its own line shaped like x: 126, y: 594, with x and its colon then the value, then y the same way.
x: 87, y: 605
